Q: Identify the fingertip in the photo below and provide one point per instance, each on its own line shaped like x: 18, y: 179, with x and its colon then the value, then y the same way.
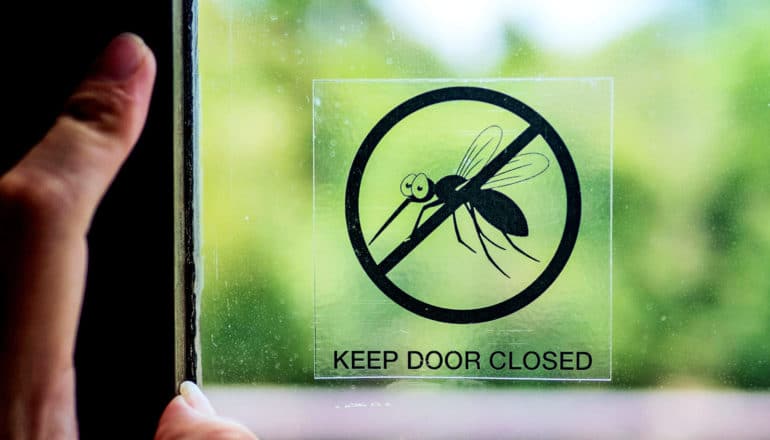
x: 120, y: 79
x: 195, y: 397
x: 128, y: 64
x: 142, y: 79
x: 122, y: 57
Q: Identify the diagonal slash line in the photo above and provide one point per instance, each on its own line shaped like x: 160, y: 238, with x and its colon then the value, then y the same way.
x: 464, y: 194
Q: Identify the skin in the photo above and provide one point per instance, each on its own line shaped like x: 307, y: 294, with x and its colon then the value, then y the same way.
x: 46, y: 205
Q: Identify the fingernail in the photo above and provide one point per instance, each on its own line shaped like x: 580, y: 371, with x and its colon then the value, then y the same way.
x: 195, y: 397
x: 121, y: 58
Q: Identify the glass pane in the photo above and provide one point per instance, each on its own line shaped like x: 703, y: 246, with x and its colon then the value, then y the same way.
x: 691, y: 181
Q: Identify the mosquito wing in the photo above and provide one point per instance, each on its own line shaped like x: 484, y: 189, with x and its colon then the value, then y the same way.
x: 522, y: 167
x: 480, y: 151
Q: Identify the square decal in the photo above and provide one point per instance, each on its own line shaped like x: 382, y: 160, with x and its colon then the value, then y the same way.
x: 462, y: 228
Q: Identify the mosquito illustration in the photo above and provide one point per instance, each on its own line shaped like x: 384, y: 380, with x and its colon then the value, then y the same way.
x: 496, y: 208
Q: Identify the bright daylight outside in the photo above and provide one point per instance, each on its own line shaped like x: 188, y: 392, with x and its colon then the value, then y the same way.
x: 669, y: 128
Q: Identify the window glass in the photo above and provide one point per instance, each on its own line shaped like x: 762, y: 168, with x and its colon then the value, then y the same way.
x: 691, y: 112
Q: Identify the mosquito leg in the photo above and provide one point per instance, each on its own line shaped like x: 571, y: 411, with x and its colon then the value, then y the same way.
x: 419, y: 216
x: 481, y: 240
x: 492, y: 242
x: 519, y: 249
x: 457, y: 233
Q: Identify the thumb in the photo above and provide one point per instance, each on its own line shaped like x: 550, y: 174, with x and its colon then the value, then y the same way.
x: 190, y: 416
x: 195, y: 398
x: 78, y: 158
x: 46, y: 204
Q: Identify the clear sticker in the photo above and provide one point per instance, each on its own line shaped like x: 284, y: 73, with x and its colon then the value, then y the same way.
x: 462, y: 229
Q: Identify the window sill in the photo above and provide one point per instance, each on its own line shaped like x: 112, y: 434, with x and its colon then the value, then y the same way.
x: 274, y: 412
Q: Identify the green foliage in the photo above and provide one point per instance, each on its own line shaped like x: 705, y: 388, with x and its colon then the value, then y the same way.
x: 692, y: 182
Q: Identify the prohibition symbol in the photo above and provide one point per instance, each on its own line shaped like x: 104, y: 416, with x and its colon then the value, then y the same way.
x: 459, y: 191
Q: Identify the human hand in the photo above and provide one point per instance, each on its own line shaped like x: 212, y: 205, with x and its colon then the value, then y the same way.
x: 190, y: 416
x: 46, y: 205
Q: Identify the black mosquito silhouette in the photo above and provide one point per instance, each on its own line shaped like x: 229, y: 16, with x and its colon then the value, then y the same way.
x: 496, y: 208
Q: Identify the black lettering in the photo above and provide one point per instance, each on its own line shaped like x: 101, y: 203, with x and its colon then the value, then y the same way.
x: 357, y: 359
x: 428, y: 357
x: 492, y: 360
x: 410, y: 355
x: 511, y: 364
x: 373, y: 360
x: 390, y: 357
x: 537, y: 359
x: 448, y: 362
x: 549, y: 360
x: 340, y: 359
x: 472, y: 357
x: 566, y: 358
x: 583, y: 354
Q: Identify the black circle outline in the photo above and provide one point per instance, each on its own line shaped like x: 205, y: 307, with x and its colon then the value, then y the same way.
x: 518, y: 300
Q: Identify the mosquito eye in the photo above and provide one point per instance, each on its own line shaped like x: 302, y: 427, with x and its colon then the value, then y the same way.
x: 406, y: 185
x: 421, y: 186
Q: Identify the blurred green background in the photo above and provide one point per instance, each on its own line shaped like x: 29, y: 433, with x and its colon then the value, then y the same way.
x: 691, y: 176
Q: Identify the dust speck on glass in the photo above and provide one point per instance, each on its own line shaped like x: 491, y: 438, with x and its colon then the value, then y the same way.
x: 678, y: 92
